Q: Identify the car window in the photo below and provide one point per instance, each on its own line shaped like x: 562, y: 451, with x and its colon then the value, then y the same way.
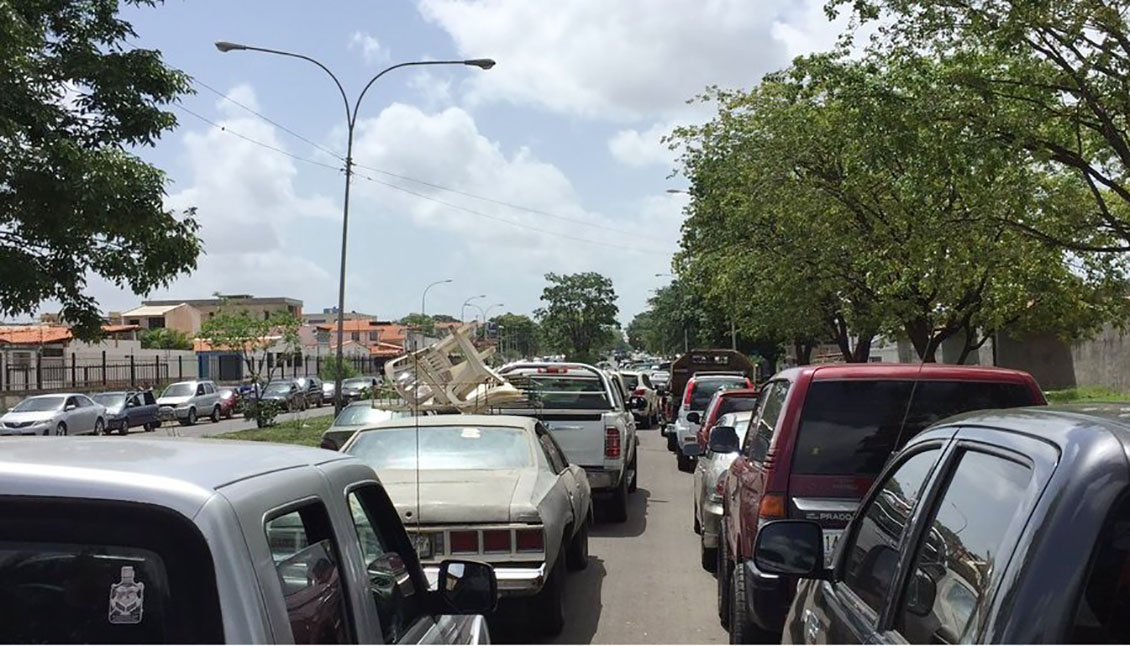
x: 568, y: 392
x: 962, y: 547
x: 736, y: 404
x: 1103, y: 615
x: 72, y: 401
x: 443, y: 447
x: 630, y: 380
x: 200, y: 389
x: 767, y: 419
x: 872, y: 553
x: 705, y: 387
x: 618, y: 395
x: 935, y: 400
x: 209, y: 388
x: 646, y: 382
x: 849, y: 427
x: 399, y: 603
x: 307, y: 563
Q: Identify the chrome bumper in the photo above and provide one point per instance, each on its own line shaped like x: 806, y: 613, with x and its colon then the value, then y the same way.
x: 512, y: 581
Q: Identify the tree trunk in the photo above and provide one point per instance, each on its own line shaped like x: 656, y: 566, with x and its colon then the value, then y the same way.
x: 862, y: 351
x: 919, y: 333
x: 803, y: 352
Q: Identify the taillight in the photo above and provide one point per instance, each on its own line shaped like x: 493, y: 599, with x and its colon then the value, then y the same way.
x: 464, y: 542
x: 720, y: 488
x: 496, y: 540
x: 772, y: 506
x: 688, y: 391
x: 530, y: 540
x: 748, y: 383
x: 638, y: 392
x: 612, y: 442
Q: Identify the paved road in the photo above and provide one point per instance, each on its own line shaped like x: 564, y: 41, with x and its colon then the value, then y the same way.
x: 237, y: 423
x: 644, y: 583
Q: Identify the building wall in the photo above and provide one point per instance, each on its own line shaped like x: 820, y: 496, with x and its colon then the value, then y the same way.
x: 184, y: 319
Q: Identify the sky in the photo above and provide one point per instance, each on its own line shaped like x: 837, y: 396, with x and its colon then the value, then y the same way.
x: 549, y: 162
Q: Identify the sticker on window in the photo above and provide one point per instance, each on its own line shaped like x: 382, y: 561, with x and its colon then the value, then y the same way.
x: 471, y: 433
x: 127, y: 599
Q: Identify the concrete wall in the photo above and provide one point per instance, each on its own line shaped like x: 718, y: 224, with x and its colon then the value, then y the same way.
x: 184, y: 318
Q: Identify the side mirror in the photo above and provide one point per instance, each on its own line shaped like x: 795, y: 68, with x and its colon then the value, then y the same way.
x: 70, y: 407
x: 694, y: 417
x: 692, y: 450
x: 724, y: 439
x: 791, y: 548
x: 920, y: 594
x: 467, y: 587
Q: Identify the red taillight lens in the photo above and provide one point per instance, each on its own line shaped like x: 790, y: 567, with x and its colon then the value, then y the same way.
x: 612, y: 442
x: 496, y: 540
x: 530, y: 540
x: 688, y: 391
x: 638, y: 392
x: 720, y: 488
x: 772, y: 506
x: 464, y: 542
x: 748, y: 383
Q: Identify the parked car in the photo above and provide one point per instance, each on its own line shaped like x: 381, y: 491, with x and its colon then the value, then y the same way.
x: 697, y: 396
x: 497, y: 488
x: 356, y: 388
x: 584, y: 409
x: 286, y: 393
x: 229, y: 401
x: 725, y: 439
x: 328, y: 391
x: 724, y: 401
x: 186, y: 401
x: 312, y: 387
x: 820, y: 436
x: 60, y: 414
x: 354, y: 416
x: 1002, y: 527
x: 639, y: 387
x: 702, y: 362
x: 187, y: 541
x: 130, y: 409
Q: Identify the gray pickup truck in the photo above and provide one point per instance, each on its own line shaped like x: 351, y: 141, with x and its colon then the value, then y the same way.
x: 166, y: 540
x: 585, y: 409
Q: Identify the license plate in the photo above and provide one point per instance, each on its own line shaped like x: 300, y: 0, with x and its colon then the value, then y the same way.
x: 830, y: 538
x: 423, y: 546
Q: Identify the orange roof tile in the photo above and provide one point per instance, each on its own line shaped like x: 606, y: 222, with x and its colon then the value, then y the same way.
x: 353, y: 325
x: 385, y: 350
x: 42, y: 334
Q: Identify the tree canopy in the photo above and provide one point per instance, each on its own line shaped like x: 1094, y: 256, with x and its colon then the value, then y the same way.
x: 579, y: 314
x: 165, y: 339
x: 519, y: 334
x: 74, y: 200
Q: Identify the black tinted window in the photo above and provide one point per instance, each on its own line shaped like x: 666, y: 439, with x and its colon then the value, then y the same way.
x: 935, y: 400
x: 736, y: 405
x: 631, y: 381
x: 1103, y: 616
x: 704, y: 389
x: 850, y: 427
x: 962, y: 550
x: 873, y: 555
x: 301, y: 543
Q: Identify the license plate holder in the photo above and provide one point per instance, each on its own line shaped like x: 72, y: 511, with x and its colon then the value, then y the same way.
x: 831, y: 537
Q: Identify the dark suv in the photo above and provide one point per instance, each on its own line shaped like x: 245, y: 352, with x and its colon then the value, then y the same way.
x: 994, y: 527
x: 820, y: 436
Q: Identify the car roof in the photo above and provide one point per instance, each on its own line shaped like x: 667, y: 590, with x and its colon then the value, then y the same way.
x: 1063, y: 425
x: 882, y: 370
x: 520, y: 421
x: 737, y: 392
x: 182, y: 473
x: 741, y: 415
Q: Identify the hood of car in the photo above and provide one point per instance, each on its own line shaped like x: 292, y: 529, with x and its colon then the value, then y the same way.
x: 456, y: 496
x: 28, y: 417
x: 173, y: 401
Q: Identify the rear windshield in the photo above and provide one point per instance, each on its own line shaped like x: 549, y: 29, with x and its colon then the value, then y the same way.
x: 704, y: 389
x: 571, y: 393
x: 631, y: 381
x: 444, y: 447
x: 358, y: 415
x: 853, y: 427
x: 736, y: 404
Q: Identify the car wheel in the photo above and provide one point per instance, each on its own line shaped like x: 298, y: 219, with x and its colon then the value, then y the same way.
x: 99, y: 427
x: 215, y: 416
x: 149, y: 427
x: 742, y: 628
x: 230, y: 413
x: 723, y: 576
x: 191, y: 417
x: 671, y: 442
x: 708, y: 555
x: 61, y: 429
x: 618, y: 506
x: 321, y: 401
x: 549, y: 604
x: 684, y: 462
x: 577, y: 558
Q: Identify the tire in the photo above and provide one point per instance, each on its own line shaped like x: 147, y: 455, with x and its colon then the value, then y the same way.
x: 684, y: 462
x: 577, y: 558
x: 321, y: 401
x: 618, y: 506
x: 697, y: 525
x: 191, y: 420
x: 149, y: 427
x: 672, y: 446
x: 215, y: 416
x: 549, y: 604
x: 742, y: 628
x: 708, y: 555
x: 634, y: 484
x: 723, y: 576
x: 61, y: 429
x: 230, y: 414
x: 99, y: 427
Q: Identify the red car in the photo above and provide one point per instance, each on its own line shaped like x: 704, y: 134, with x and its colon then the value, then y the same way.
x: 818, y: 439
x: 229, y: 400
x: 725, y: 401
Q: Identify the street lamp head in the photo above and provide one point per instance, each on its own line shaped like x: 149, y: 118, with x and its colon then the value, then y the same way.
x: 481, y: 63
x: 449, y: 280
x: 225, y: 46
x: 676, y: 191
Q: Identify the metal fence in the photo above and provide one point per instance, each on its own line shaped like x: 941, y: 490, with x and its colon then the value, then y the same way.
x: 58, y: 373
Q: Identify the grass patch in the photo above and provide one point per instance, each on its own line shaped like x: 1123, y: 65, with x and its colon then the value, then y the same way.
x: 306, y: 432
x: 1086, y: 394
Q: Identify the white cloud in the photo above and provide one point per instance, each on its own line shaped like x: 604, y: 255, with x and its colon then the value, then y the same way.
x: 643, y: 148
x: 370, y: 48
x: 623, y: 59
x: 434, y: 90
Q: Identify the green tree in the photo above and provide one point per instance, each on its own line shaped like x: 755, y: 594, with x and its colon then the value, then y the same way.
x: 421, y: 321
x: 74, y: 201
x: 329, y: 369
x: 165, y: 339
x: 520, y: 335
x: 579, y: 314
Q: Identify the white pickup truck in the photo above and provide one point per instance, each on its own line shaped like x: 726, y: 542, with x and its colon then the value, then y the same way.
x: 586, y: 411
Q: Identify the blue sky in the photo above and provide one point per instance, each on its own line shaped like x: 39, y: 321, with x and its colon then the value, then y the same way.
x: 567, y: 125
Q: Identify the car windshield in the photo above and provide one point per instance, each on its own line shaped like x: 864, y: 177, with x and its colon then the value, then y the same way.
x: 179, y: 390
x: 36, y: 404
x: 110, y: 400
x: 357, y: 383
x: 705, y: 387
x: 359, y: 415
x: 444, y: 447
x: 278, y: 387
x: 631, y: 381
x: 579, y: 392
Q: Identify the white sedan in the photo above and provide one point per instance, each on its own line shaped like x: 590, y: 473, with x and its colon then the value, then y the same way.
x: 63, y: 414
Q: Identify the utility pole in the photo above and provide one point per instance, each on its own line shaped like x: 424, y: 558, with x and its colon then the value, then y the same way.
x: 686, y: 344
x: 733, y: 335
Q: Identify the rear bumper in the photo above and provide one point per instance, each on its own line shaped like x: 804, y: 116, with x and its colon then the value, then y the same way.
x: 512, y: 581
x: 600, y: 479
x: 768, y: 598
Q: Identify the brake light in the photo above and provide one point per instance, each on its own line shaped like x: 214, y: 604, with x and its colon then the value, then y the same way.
x: 464, y: 542
x: 496, y: 540
x: 612, y: 442
x: 772, y: 506
x: 553, y: 370
x: 530, y: 540
x: 720, y: 488
x: 687, y: 392
x: 638, y: 392
x: 748, y: 383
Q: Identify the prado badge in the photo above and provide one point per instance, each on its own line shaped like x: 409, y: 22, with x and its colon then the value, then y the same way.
x: 127, y: 599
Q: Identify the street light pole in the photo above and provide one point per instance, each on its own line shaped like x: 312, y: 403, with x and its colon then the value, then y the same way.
x: 424, y: 305
x: 351, y: 122
x: 463, y: 310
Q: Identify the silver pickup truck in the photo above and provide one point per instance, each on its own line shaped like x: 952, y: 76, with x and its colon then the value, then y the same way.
x: 166, y: 540
x: 585, y: 410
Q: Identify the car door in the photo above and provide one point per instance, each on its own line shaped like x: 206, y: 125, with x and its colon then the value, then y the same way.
x: 134, y: 411
x: 569, y: 477
x: 750, y: 469
x: 90, y: 412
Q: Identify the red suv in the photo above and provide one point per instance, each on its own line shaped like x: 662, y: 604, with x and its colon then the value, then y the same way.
x: 725, y: 401
x: 818, y: 439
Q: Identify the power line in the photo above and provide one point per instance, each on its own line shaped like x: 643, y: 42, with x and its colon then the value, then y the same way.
x: 252, y: 141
